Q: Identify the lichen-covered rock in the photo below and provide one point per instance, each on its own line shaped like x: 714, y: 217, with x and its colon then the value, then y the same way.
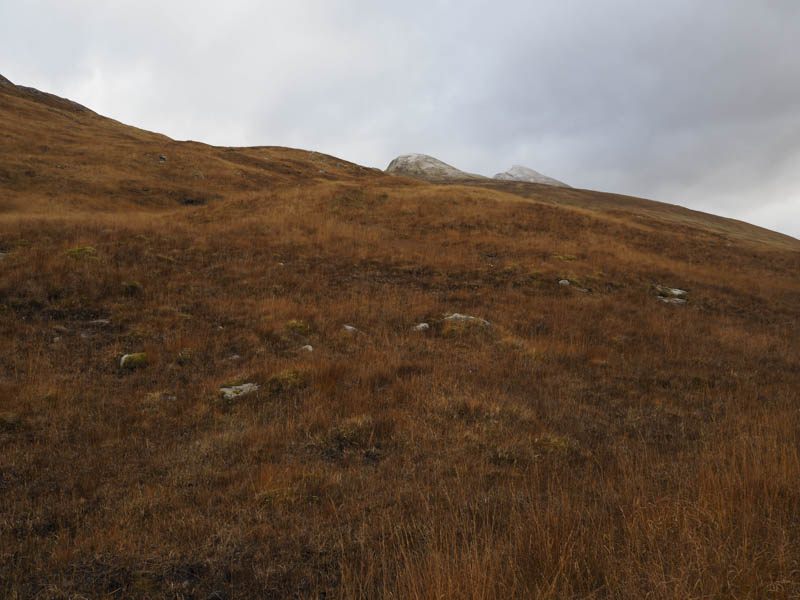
x: 670, y: 295
x: 457, y: 317
x: 669, y: 292
x: 457, y: 324
x: 136, y: 360
x: 237, y: 391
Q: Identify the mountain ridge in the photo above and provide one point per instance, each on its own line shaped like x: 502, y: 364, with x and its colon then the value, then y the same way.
x: 431, y: 169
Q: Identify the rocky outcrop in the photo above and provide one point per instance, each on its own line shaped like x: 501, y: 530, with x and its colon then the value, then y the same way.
x: 520, y: 173
x: 427, y: 168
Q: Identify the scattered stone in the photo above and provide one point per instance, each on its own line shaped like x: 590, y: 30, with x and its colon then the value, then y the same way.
x: 670, y: 295
x: 307, y: 348
x: 668, y: 292
x: 564, y: 282
x: 672, y: 300
x: 136, y: 360
x: 99, y: 322
x: 350, y: 329
x: 237, y: 391
x: 56, y: 339
x: 421, y: 327
x: 162, y: 159
x: 159, y: 397
x: 232, y: 358
x: 457, y: 317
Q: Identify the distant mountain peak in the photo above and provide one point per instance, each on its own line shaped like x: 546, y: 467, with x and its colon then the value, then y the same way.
x: 521, y: 173
x: 428, y: 168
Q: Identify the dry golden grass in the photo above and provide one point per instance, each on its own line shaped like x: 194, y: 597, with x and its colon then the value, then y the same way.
x: 597, y: 444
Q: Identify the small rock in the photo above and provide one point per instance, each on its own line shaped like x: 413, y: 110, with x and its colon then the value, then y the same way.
x: 100, y: 322
x: 673, y: 300
x: 307, y: 348
x: 350, y: 329
x: 162, y: 159
x: 60, y: 329
x: 158, y: 397
x: 468, y: 319
x: 137, y: 360
x: 421, y: 327
x: 669, y: 292
x: 232, y: 358
x: 563, y: 282
x: 236, y: 391
x: 56, y: 339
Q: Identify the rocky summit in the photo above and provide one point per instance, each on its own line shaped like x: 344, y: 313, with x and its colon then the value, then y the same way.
x: 428, y: 168
x: 520, y: 173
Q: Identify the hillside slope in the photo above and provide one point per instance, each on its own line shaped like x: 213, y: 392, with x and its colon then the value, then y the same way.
x: 602, y: 404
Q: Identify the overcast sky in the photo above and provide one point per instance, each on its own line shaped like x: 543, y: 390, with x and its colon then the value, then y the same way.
x: 685, y: 101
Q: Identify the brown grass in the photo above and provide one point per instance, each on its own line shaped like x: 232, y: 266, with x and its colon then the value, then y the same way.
x: 597, y: 444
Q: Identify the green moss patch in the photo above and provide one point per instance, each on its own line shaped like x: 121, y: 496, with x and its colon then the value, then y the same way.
x: 82, y: 252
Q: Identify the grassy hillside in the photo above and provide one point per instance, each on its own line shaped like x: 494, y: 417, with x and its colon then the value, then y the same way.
x: 591, y: 441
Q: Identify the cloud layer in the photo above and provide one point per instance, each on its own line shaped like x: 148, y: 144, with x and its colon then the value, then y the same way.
x: 691, y: 103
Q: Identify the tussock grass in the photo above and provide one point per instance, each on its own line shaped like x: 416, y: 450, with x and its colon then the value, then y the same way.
x: 597, y: 444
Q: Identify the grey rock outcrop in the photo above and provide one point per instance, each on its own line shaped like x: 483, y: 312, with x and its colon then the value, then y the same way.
x: 237, y: 391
